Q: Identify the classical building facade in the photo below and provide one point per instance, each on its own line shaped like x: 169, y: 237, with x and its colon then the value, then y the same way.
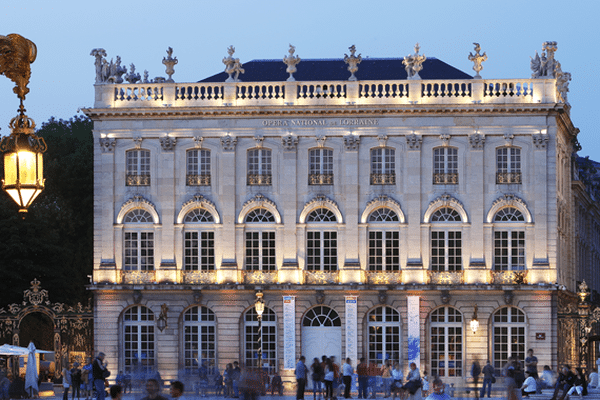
x: 381, y: 208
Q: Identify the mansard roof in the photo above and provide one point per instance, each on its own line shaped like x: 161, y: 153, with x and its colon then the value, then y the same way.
x: 337, y: 70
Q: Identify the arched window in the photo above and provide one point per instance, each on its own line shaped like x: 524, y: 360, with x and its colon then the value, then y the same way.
x: 260, y: 215
x: 138, y: 244
x: 446, y: 240
x: 445, y: 166
x: 320, y: 167
x: 198, y: 215
x: 383, y: 166
x: 138, y: 167
x: 198, y: 241
x: 321, y: 245
x: 446, y: 326
x: 384, y: 241
x: 260, y: 242
x: 508, y: 165
x: 268, y: 341
x: 509, y: 240
x: 198, y: 167
x: 384, y: 335
x: 259, y: 167
x: 509, y: 336
x: 321, y: 316
x: 199, y: 339
x: 321, y: 215
x: 138, y: 340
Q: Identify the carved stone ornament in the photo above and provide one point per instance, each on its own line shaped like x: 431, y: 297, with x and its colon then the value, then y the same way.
x: 508, y: 138
x: 445, y: 139
x: 291, y: 61
x: 509, y: 296
x: 477, y: 59
x: 540, y: 140
x: 197, y: 296
x: 562, y: 84
x: 170, y: 62
x: 382, y: 139
x: 233, y: 66
x: 352, y: 62
x: 544, y: 66
x: 140, y: 202
x: 289, y: 142
x: 168, y: 143
x: 137, y: 296
x: 320, y: 296
x: 228, y: 142
x: 132, y: 76
x: 259, y: 140
x: 137, y: 142
x: 413, y: 141
x: 351, y: 142
x: 99, y: 55
x: 445, y: 296
x: 198, y: 141
x: 321, y: 140
x: 108, y: 144
x: 382, y: 297
x: 260, y: 200
x: 107, y: 72
x: 510, y: 200
x: 413, y: 64
x: 476, y: 140
x: 200, y: 201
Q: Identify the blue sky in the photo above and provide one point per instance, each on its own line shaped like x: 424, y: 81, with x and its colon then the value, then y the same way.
x: 200, y: 31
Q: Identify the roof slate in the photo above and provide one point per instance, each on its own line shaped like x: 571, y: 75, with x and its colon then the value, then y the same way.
x: 337, y: 70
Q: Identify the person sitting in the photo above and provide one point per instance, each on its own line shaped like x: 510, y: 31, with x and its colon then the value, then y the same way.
x: 578, y: 384
x: 397, y: 376
x: 413, y: 381
x: 276, y: 384
x: 529, y: 386
x: 593, y: 378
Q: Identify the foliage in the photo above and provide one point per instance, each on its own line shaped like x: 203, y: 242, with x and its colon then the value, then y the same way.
x: 54, y: 243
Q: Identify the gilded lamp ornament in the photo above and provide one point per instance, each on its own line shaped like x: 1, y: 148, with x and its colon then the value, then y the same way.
x: 23, y: 149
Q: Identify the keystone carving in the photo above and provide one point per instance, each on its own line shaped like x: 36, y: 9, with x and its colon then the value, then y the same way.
x: 228, y: 142
x: 168, y: 143
x: 108, y: 144
x: 351, y: 142
x: 413, y: 141
x: 540, y: 140
x: 476, y: 140
x: 289, y: 142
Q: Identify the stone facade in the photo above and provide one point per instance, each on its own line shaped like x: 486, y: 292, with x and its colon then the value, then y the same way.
x: 372, y: 215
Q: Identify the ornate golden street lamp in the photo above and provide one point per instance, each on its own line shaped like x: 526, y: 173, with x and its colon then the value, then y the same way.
x: 23, y: 149
x: 259, y: 306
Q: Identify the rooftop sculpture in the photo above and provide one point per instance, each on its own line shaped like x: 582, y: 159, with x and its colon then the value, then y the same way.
x: 544, y: 66
x: 477, y: 59
x: 352, y: 62
x: 291, y: 61
x: 170, y: 62
x: 233, y: 66
x: 414, y: 63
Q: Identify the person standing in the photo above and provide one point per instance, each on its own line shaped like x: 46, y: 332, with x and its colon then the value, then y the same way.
x: 66, y: 375
x: 386, y: 376
x: 347, y: 372
x: 177, y: 389
x: 153, y: 390
x: 328, y: 379
x: 362, y: 370
x: 100, y: 373
x: 317, y: 376
x: 301, y: 373
x: 475, y: 372
x: 488, y: 378
x: 75, y: 379
x: 531, y: 364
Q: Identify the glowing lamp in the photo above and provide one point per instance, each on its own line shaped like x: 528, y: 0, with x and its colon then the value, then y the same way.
x: 23, y: 162
x: 260, y: 305
x: 474, y: 321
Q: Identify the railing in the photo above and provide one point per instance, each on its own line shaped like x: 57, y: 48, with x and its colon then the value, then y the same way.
x: 320, y: 179
x: 259, y: 180
x: 137, y: 277
x: 383, y: 179
x: 321, y: 277
x: 196, y: 277
x: 260, y: 277
x: 508, y: 177
x: 445, y: 178
x: 509, y: 277
x: 445, y: 277
x: 401, y: 92
x: 137, y: 180
x: 198, y: 180
x: 384, y: 277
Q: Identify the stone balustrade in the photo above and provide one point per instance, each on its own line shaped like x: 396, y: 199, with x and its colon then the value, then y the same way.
x: 429, y: 92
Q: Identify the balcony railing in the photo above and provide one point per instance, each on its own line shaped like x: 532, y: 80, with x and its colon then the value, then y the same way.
x: 508, y: 177
x: 198, y: 180
x: 509, y: 277
x: 197, y: 277
x: 260, y: 277
x: 321, y: 277
x: 445, y: 178
x: 138, y: 180
x: 445, y: 277
x: 384, y: 277
x: 137, y: 277
x: 259, y: 180
x: 401, y: 92
x: 320, y: 179
x: 383, y: 179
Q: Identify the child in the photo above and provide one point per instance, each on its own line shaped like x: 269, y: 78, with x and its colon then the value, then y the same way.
x: 425, y: 388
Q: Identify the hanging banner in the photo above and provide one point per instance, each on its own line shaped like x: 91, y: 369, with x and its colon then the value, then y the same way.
x: 414, y: 330
x: 289, y: 332
x: 352, y: 328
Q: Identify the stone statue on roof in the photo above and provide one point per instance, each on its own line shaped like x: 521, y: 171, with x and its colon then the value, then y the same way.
x: 233, y: 66
x: 352, y: 62
x: 544, y: 66
x: 291, y: 61
x: 170, y: 62
x: 477, y: 59
x: 414, y: 63
x: 562, y: 84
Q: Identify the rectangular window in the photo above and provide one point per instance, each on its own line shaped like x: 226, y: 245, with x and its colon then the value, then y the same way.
x: 383, y: 166
x: 446, y: 251
x: 138, y: 168
x: 138, y: 251
x: 259, y: 167
x: 260, y: 251
x: 199, y: 251
x: 198, y: 168
x: 321, y: 251
x: 509, y: 250
x: 445, y: 166
x: 384, y: 251
x: 508, y: 165
x: 321, y: 167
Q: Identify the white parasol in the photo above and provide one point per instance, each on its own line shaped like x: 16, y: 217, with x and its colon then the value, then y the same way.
x: 31, y: 375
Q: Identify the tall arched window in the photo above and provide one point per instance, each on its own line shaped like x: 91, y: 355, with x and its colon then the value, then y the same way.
x: 446, y: 240
x: 384, y: 240
x: 269, y: 338
x: 321, y: 241
x: 260, y: 241
x: 384, y: 335
x: 198, y: 241
x: 138, y: 241
x: 199, y: 338
x: 446, y: 325
x: 509, y: 336
x: 138, y: 340
x: 509, y: 240
x: 321, y: 316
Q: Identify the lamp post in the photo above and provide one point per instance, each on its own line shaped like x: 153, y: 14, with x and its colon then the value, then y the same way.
x: 259, y: 306
x: 23, y: 149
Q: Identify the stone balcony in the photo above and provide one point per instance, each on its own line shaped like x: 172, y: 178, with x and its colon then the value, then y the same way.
x: 355, y: 93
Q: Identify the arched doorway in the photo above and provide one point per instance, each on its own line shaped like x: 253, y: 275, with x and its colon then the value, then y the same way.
x: 321, y: 334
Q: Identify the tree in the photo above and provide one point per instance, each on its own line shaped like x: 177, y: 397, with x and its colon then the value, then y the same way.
x: 55, y: 241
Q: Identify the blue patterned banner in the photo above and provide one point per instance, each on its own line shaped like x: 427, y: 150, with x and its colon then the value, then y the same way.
x: 352, y: 328
x: 414, y: 330
x: 289, y: 332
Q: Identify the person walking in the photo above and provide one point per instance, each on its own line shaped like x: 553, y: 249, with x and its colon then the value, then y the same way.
x: 362, y: 370
x: 100, y: 372
x: 317, y: 377
x: 328, y: 379
x: 301, y: 373
x: 347, y: 372
x: 475, y: 372
x: 488, y: 379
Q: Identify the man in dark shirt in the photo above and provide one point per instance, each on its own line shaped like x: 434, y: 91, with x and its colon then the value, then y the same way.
x: 362, y: 370
x: 531, y: 364
x: 153, y: 390
x: 99, y: 373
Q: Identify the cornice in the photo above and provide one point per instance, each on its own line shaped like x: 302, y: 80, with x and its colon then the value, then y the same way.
x: 325, y: 111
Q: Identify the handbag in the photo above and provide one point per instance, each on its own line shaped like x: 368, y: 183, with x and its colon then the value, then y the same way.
x: 493, y: 379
